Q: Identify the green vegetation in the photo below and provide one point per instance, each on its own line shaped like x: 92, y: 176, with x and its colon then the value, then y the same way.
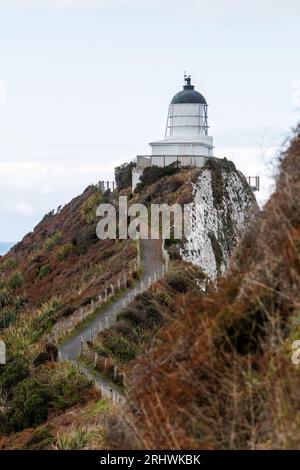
x: 153, y: 174
x: 75, y: 440
x: 29, y: 399
x: 9, y: 263
x: 47, y: 315
x: 64, y: 251
x: 89, y: 207
x: 53, y: 241
x: 29, y: 406
x: 178, y: 281
x: 123, y: 175
x: 44, y: 271
x: 16, y: 280
x: 41, y: 438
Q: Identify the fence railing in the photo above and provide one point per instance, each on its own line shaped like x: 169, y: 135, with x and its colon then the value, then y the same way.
x: 254, y: 182
x: 106, y: 321
x: 107, y: 185
x: 67, y: 325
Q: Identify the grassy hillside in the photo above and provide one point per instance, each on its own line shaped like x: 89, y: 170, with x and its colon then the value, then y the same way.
x: 54, y: 271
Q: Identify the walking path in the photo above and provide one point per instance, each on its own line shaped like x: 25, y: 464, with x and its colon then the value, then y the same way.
x: 152, y: 268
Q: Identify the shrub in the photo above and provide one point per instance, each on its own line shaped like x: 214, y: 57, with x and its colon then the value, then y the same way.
x: 47, y: 315
x: 14, y: 372
x: 86, y: 237
x: 118, y: 346
x: 8, y: 316
x: 5, y: 296
x: 152, y: 174
x: 75, y: 440
x: 52, y: 241
x: 30, y: 403
x: 123, y: 175
x: 9, y: 263
x: 178, y: 281
x: 66, y: 385
x: 42, y: 437
x: 16, y: 280
x: 64, y: 251
x: 44, y: 271
x: 89, y: 207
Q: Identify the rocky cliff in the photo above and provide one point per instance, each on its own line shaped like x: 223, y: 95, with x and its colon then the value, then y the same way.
x: 222, y: 206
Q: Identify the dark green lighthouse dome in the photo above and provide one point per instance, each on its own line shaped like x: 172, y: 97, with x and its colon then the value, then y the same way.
x: 188, y: 94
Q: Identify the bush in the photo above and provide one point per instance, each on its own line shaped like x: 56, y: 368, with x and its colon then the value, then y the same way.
x: 8, y: 316
x: 119, y: 347
x: 47, y: 315
x: 30, y: 403
x: 66, y: 384
x: 16, y: 280
x: 64, y: 251
x: 53, y: 241
x: 14, y: 372
x: 85, y: 238
x: 5, y: 296
x: 152, y: 174
x: 9, y: 263
x: 44, y: 270
x: 123, y: 175
x: 75, y: 440
x: 89, y: 207
x: 178, y: 281
x: 42, y: 437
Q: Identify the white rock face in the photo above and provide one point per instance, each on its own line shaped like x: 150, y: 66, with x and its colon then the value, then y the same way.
x: 222, y: 206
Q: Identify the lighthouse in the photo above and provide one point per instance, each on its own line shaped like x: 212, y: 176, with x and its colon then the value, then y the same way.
x: 186, y: 141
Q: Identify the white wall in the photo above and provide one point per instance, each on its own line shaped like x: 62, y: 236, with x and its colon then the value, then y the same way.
x: 186, y: 119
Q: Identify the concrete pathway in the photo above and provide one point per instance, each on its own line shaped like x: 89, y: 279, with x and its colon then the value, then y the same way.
x: 152, y: 267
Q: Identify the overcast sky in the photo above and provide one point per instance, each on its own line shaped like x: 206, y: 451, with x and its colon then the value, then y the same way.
x: 85, y: 85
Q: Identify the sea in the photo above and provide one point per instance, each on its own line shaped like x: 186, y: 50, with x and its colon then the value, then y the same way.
x: 5, y: 247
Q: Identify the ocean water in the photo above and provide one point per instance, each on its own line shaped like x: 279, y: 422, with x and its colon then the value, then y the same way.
x: 5, y: 247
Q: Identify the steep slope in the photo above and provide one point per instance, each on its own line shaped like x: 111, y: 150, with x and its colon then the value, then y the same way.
x: 46, y: 280
x: 221, y: 374
x: 223, y: 204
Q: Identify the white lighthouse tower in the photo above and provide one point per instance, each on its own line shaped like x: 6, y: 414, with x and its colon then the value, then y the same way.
x: 186, y: 141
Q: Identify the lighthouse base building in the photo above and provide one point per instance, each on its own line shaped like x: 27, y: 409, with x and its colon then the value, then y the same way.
x: 186, y: 141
